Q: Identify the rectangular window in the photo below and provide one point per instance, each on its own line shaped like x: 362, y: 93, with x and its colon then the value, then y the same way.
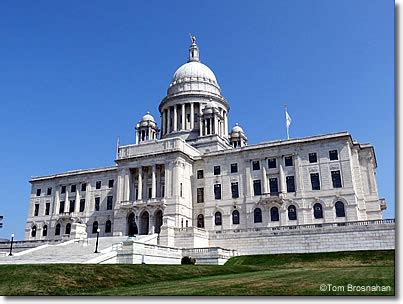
x: 109, y: 202
x: 72, y: 205
x: 217, y: 170
x: 272, y: 163
x: 288, y: 161
x: 36, y: 212
x: 199, y: 174
x: 234, y: 168
x: 49, y: 191
x: 273, y: 184
x: 257, y: 187
x: 256, y: 165
x: 333, y: 155
x: 61, y: 207
x: 200, y: 195
x: 315, y: 181
x: 336, y: 179
x: 149, y: 192
x: 181, y: 190
x: 290, y: 183
x: 217, y: 191
x: 82, y: 205
x: 98, y: 185
x: 38, y: 192
x: 47, y: 209
x: 84, y: 187
x: 63, y: 189
x: 73, y: 188
x: 313, y: 158
x: 97, y: 202
x: 234, y: 190
x: 110, y: 183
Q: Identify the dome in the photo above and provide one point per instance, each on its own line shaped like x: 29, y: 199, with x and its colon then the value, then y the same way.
x: 195, y: 71
x: 237, y: 128
x: 148, y: 117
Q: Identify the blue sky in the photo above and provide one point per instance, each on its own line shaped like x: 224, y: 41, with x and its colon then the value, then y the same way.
x: 75, y: 75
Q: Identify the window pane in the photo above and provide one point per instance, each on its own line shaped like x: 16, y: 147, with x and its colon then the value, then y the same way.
x: 288, y: 161
x: 218, y: 218
x: 234, y: 190
x: 290, y: 184
x: 49, y: 191
x: 38, y: 192
x: 317, y: 211
x: 274, y: 216
x: 83, y: 187
x: 272, y: 163
x: 256, y: 165
x: 333, y: 155
x: 199, y: 174
x: 313, y: 158
x: 315, y: 181
x: 257, y: 215
x: 235, y: 217
x: 340, y: 212
x: 217, y: 170
x: 257, y: 189
x: 273, y: 184
x: 217, y: 191
x: 336, y: 179
x: 110, y: 183
x: 98, y: 185
x: 292, y: 213
x: 234, y: 168
x: 73, y: 188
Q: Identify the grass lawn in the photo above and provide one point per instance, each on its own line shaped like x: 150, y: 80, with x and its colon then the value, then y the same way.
x: 283, y: 274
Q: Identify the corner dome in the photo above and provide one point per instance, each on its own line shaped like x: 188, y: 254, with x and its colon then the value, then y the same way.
x: 237, y: 128
x: 148, y: 117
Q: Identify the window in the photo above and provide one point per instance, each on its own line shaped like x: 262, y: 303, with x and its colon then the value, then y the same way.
x: 234, y: 168
x: 200, y: 221
x: 63, y: 189
x: 234, y: 190
x: 109, y: 202
x: 61, y: 207
x: 292, y: 213
x: 49, y: 191
x: 217, y: 170
x: 82, y: 205
x: 272, y: 163
x: 333, y: 155
x: 256, y: 165
x: 217, y: 191
x: 199, y: 174
x: 273, y: 185
x: 150, y: 190
x: 72, y: 205
x: 340, y: 212
x: 317, y: 211
x: 36, y: 212
x: 38, y: 192
x: 95, y: 227
x: 257, y: 215
x: 290, y: 183
x: 57, y: 230
x: 97, y: 202
x: 218, y: 218
x: 315, y: 181
x: 181, y: 190
x: 47, y: 208
x: 73, y: 188
x: 288, y: 161
x: 33, y: 231
x: 108, y: 226
x: 257, y: 188
x: 336, y: 179
x: 235, y: 217
x: 274, y: 216
x: 84, y: 187
x: 45, y: 230
x: 98, y: 185
x: 313, y: 158
x: 68, y: 229
x: 110, y: 183
x: 200, y: 195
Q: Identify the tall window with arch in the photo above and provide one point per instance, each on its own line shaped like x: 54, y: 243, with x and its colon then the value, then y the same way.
x: 200, y: 221
x: 218, y: 218
x: 108, y: 226
x: 340, y: 211
x: 274, y: 216
x: 33, y: 231
x: 257, y: 215
x: 292, y: 213
x: 57, y: 229
x: 235, y: 217
x: 68, y: 228
x: 317, y: 211
x: 95, y: 227
x: 45, y: 230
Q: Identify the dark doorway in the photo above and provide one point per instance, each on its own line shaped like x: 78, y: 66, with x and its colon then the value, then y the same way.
x: 145, y: 221
x: 158, y: 221
x: 131, y: 223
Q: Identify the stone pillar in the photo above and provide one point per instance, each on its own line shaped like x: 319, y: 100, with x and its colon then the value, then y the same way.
x: 163, y: 123
x: 137, y: 136
x: 56, y: 202
x: 283, y: 189
x: 225, y: 124
x: 264, y: 176
x: 153, y: 183
x: 167, y: 180
x: 297, y: 175
x: 168, y: 121
x: 66, y: 200
x: 248, y: 180
x: 77, y: 204
x: 151, y: 223
x: 175, y: 119
x: 192, y: 116
x: 200, y: 120
x: 140, y: 184
x: 175, y: 179
x: 183, y: 126
x: 215, y: 124
x: 126, y: 194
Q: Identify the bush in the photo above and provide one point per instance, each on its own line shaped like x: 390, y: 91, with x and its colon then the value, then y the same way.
x: 186, y: 260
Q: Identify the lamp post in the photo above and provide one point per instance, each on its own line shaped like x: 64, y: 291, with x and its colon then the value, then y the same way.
x: 96, y: 245
x: 11, y: 246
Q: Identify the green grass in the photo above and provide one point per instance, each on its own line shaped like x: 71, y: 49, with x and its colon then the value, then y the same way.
x: 283, y: 274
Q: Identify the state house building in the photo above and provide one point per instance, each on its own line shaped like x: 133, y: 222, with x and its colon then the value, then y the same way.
x: 191, y: 173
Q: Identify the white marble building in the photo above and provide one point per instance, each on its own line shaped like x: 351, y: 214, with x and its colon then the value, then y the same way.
x: 189, y: 177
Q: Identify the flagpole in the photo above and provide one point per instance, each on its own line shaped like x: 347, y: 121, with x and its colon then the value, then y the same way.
x: 287, y: 125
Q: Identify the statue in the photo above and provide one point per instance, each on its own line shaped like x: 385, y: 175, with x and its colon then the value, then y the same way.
x: 193, y: 38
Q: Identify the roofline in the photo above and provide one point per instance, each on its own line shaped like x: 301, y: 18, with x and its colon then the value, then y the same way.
x: 71, y: 173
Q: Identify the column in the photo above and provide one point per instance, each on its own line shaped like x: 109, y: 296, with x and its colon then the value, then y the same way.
x: 168, y: 121
x: 225, y: 123
x: 175, y: 179
x: 153, y: 183
x: 126, y: 194
x: 192, y: 116
x: 282, y: 176
x: 297, y: 174
x: 77, y: 205
x: 167, y: 180
x: 162, y: 123
x: 137, y: 136
x: 56, y: 201
x: 215, y: 124
x: 264, y: 176
x: 200, y: 120
x: 175, y: 119
x: 183, y: 126
x: 66, y: 200
x: 140, y: 184
x: 248, y: 180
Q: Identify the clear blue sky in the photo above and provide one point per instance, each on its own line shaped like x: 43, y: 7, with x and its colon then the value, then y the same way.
x: 74, y: 75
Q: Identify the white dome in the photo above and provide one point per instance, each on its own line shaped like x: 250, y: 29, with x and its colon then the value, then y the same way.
x: 148, y: 117
x: 195, y: 71
x: 237, y: 128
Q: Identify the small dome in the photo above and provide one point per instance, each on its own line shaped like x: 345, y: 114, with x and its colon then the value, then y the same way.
x: 148, y: 117
x: 237, y: 128
x: 195, y: 71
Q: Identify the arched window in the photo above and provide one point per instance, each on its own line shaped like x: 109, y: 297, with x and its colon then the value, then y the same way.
x: 108, y: 226
x: 257, y: 215
x: 45, y: 230
x: 68, y: 228
x: 200, y: 221
x: 317, y: 211
x: 33, y: 231
x: 235, y: 217
x: 292, y: 213
x: 218, y: 218
x: 340, y: 212
x: 57, y: 230
x: 274, y: 214
x: 95, y: 227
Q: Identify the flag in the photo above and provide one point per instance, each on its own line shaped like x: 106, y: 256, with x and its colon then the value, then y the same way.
x: 287, y: 119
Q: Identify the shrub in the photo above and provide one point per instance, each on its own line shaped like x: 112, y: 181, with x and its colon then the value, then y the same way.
x: 186, y: 260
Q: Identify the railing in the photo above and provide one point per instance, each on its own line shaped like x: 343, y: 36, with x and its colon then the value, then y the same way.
x: 158, y: 200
